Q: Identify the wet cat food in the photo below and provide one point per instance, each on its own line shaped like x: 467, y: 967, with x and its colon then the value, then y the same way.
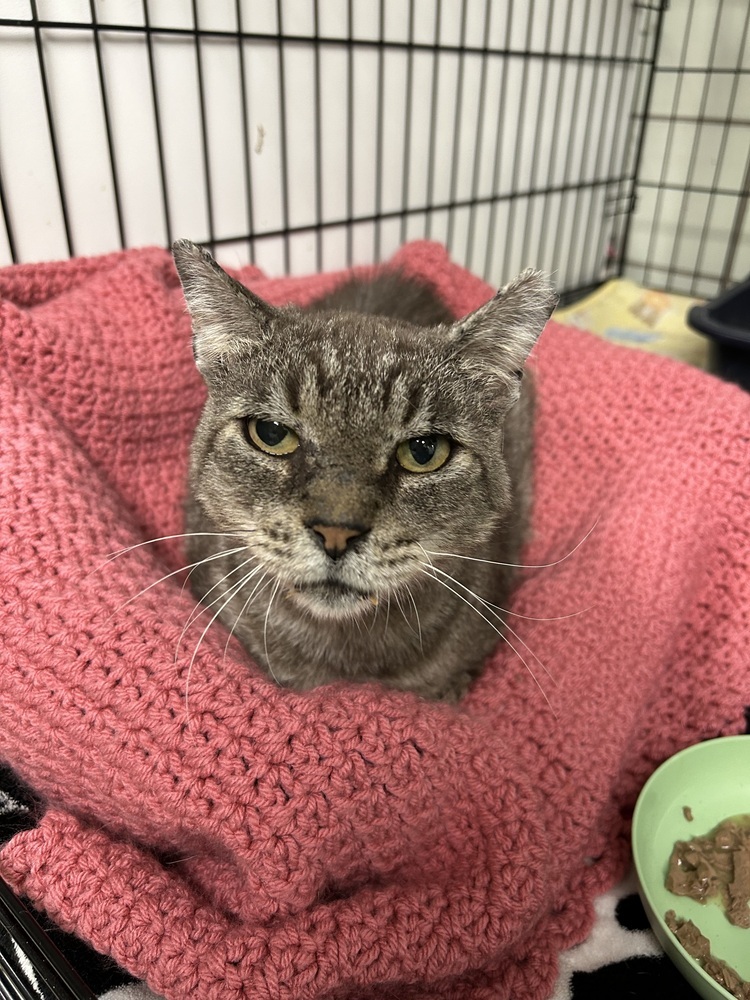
x: 713, y: 867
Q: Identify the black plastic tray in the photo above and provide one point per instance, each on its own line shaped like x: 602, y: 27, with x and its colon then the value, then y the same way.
x: 726, y: 320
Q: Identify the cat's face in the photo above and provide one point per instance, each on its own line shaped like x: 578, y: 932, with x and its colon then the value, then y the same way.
x: 342, y: 448
x: 347, y: 422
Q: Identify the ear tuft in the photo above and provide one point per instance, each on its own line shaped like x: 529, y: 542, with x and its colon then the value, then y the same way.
x: 225, y: 314
x: 498, y: 337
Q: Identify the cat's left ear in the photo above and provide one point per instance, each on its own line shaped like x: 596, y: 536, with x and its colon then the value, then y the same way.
x: 225, y: 314
x: 496, y: 339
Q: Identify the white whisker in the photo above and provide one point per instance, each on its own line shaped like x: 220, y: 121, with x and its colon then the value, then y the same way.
x: 201, y: 607
x: 426, y: 553
x: 166, y: 538
x: 493, y: 562
x: 536, y: 618
x: 502, y: 636
x: 377, y: 608
x: 529, y: 650
x: 403, y: 613
x: 274, y: 592
x: 416, y: 615
x: 243, y: 609
x: 507, y: 611
x: 489, y: 607
x: 233, y: 590
x: 175, y: 572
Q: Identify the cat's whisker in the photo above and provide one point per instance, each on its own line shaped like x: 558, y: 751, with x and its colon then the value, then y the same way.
x: 426, y: 554
x: 175, y: 572
x: 403, y: 613
x: 493, y: 562
x: 269, y: 668
x: 502, y: 636
x: 165, y: 538
x: 376, y: 602
x: 416, y: 615
x: 186, y: 581
x: 201, y: 607
x: 213, y: 558
x: 377, y: 609
x: 489, y: 607
x: 536, y: 618
x: 529, y: 650
x: 507, y: 611
x: 217, y: 555
x: 234, y: 589
x: 243, y: 609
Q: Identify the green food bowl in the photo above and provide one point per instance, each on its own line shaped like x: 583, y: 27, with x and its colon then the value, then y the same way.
x: 712, y: 781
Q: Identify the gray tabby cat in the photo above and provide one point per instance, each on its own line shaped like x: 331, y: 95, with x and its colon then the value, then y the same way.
x: 347, y: 454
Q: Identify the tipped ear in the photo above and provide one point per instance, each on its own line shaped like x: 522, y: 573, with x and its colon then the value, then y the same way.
x: 224, y: 312
x: 497, y: 338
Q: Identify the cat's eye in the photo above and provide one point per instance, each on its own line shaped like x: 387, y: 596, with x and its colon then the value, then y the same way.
x: 423, y: 454
x: 271, y: 436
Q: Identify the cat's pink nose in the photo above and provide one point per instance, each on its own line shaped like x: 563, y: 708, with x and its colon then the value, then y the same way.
x: 335, y: 537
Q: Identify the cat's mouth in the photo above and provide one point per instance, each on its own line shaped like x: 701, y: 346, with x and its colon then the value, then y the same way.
x: 332, y: 595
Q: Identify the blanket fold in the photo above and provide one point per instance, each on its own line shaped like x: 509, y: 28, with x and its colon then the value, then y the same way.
x: 221, y: 837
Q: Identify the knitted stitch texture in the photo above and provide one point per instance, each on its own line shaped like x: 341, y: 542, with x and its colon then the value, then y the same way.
x: 225, y: 838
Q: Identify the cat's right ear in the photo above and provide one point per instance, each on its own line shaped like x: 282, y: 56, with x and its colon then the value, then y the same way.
x: 225, y: 314
x: 496, y: 339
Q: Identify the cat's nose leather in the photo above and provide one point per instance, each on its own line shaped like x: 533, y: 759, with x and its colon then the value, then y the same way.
x: 336, y: 537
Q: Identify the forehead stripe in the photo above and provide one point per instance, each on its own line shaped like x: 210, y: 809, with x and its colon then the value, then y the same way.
x: 293, y: 390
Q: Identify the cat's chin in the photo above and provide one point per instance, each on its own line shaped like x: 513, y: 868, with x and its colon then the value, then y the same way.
x: 331, y: 600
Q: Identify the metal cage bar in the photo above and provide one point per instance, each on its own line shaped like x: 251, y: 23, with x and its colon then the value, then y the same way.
x: 494, y: 163
x: 687, y: 231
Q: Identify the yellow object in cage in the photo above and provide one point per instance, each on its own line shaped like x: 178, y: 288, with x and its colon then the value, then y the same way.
x: 628, y: 314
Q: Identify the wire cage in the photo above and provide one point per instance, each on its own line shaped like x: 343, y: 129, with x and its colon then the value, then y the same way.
x: 589, y: 139
x: 690, y: 230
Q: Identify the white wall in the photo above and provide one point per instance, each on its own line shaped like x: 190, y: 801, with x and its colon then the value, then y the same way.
x: 549, y: 109
x: 696, y: 155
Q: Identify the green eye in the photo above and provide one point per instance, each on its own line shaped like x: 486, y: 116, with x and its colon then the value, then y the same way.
x: 272, y: 437
x: 423, y: 454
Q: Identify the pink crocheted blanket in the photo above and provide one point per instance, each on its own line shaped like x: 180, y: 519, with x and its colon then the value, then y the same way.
x: 230, y: 839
